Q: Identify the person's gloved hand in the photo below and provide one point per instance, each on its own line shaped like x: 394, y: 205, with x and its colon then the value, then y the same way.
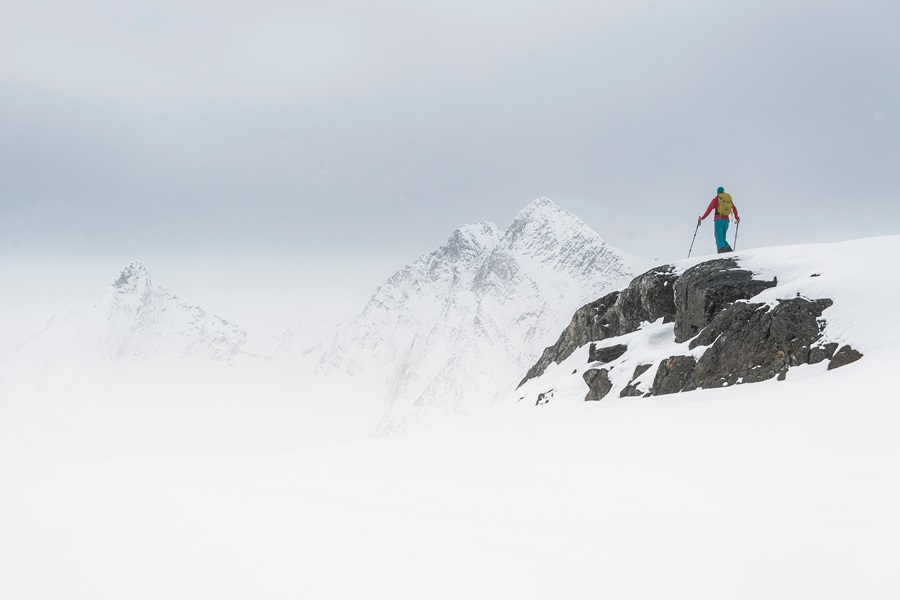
x: 737, y: 218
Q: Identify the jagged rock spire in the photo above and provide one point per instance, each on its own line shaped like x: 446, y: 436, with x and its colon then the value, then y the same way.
x: 133, y: 278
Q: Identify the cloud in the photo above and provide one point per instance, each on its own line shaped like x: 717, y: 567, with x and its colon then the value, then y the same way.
x: 314, y: 125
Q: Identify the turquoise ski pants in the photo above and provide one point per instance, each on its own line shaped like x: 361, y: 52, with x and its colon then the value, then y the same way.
x: 721, y: 230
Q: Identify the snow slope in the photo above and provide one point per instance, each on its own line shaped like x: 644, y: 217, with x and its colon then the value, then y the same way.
x: 776, y: 490
x: 456, y: 328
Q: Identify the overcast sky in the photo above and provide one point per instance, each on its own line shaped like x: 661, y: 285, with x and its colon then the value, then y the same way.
x: 240, y: 148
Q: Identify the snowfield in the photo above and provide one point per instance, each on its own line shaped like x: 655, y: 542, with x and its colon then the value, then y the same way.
x: 771, y: 490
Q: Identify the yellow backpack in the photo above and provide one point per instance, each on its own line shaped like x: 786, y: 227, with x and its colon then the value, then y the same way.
x: 726, y: 206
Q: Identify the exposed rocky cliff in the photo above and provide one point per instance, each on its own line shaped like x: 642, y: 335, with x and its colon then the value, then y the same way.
x: 727, y: 339
x: 647, y: 298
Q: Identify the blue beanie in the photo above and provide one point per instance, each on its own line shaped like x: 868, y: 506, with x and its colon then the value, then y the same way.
x: 720, y: 190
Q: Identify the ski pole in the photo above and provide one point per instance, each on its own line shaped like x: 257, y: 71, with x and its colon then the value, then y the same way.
x: 695, y: 237
x: 737, y: 228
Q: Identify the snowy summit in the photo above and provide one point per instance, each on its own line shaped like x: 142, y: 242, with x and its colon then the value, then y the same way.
x: 452, y: 331
x: 131, y: 319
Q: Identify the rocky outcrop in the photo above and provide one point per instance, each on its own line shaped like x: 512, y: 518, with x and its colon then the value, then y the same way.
x: 673, y: 375
x: 748, y: 343
x: 545, y: 398
x: 648, y: 297
x: 844, y: 356
x: 598, y: 382
x: 606, y: 353
x: 729, y: 339
x: 632, y: 388
x: 705, y: 289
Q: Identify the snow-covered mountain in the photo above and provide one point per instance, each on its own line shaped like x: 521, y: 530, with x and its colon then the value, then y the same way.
x: 129, y: 320
x: 445, y: 335
x: 460, y: 325
x: 776, y: 489
x: 138, y: 367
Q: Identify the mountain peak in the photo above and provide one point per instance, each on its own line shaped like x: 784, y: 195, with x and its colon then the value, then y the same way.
x: 541, y: 212
x: 448, y: 331
x: 474, y: 239
x: 538, y: 207
x: 542, y: 219
x: 131, y: 279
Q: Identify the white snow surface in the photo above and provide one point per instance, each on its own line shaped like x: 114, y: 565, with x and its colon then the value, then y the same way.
x: 769, y: 490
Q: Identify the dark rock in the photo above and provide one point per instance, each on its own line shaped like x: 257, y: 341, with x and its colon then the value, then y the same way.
x: 741, y: 342
x: 631, y: 390
x: 819, y: 353
x: 640, y: 370
x: 598, y: 382
x: 587, y: 325
x: 648, y: 297
x: 706, y: 289
x: 545, y: 397
x: 734, y: 318
x: 844, y: 356
x: 673, y: 375
x: 606, y: 353
x: 751, y: 342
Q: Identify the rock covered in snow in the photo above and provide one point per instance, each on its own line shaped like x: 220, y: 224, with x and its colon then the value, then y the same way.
x: 648, y: 297
x: 725, y: 339
x: 704, y: 290
x: 754, y: 342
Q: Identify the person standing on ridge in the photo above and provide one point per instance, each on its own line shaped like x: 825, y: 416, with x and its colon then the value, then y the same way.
x: 724, y: 207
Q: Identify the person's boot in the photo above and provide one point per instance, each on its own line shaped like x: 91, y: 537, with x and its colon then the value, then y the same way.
x: 728, y: 248
x: 723, y: 249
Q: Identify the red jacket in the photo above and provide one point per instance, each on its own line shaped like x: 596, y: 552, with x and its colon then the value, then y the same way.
x: 714, y: 205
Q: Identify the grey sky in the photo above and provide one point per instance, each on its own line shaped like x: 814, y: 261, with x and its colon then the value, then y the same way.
x: 253, y: 140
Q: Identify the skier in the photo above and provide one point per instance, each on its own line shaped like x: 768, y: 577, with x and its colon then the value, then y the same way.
x: 723, y: 206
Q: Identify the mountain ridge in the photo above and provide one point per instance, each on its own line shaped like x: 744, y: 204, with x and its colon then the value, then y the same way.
x: 443, y: 336
x: 131, y: 319
x: 454, y: 327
